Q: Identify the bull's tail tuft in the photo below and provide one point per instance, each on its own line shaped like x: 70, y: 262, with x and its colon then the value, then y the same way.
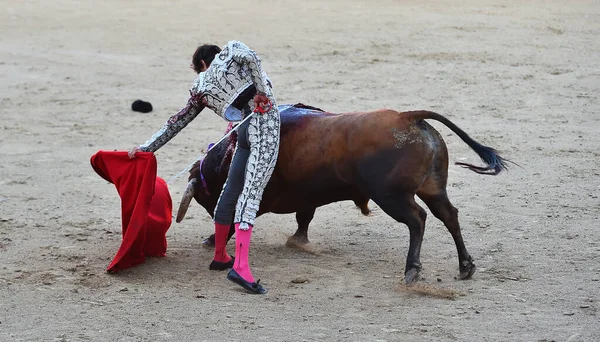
x: 494, y: 162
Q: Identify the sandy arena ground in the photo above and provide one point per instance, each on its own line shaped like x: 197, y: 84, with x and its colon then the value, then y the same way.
x: 523, y: 78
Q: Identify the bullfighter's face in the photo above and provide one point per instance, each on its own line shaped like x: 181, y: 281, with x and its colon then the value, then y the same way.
x: 201, y: 67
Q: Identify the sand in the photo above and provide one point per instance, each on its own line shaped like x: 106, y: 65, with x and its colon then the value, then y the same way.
x: 522, y: 78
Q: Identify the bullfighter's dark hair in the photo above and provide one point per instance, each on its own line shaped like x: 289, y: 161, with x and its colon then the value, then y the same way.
x: 206, y: 53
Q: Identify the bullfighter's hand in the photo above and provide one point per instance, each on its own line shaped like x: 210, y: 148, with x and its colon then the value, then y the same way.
x: 133, y: 151
x: 261, y: 101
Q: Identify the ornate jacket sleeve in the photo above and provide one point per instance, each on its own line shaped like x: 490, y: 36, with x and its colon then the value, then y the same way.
x: 173, y: 126
x: 242, y: 54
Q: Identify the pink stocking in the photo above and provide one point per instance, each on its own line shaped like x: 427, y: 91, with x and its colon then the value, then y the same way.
x: 242, y: 247
x: 221, y: 233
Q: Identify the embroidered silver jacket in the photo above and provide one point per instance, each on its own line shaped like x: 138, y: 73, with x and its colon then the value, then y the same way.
x: 233, y: 70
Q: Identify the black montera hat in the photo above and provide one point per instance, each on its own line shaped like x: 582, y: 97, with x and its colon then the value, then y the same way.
x: 141, y: 106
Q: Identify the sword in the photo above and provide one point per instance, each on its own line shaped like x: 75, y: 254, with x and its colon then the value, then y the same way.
x: 213, y: 146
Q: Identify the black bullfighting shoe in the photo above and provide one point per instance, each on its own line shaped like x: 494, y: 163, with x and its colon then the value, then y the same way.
x: 221, y: 266
x: 254, y: 288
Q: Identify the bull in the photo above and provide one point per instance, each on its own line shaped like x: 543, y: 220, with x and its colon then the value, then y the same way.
x: 385, y: 156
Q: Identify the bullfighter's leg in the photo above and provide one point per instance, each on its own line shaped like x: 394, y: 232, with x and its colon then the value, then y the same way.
x: 209, y: 242
x: 404, y: 209
x: 225, y: 209
x: 441, y: 208
x: 263, y: 135
x: 300, y: 237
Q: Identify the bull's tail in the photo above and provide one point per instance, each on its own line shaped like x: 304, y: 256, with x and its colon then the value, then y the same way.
x: 495, y: 163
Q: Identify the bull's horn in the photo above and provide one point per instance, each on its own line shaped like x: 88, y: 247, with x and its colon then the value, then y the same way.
x: 185, y: 200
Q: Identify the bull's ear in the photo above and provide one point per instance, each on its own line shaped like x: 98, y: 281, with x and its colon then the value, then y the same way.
x: 195, y: 171
x: 188, y: 194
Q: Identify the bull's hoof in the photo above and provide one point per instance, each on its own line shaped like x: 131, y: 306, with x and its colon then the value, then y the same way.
x: 301, y: 244
x: 297, y: 242
x: 411, y: 276
x: 467, y: 269
x: 366, y: 211
x: 208, y: 242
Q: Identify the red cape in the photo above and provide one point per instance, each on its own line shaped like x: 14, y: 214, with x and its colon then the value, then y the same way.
x: 146, y: 206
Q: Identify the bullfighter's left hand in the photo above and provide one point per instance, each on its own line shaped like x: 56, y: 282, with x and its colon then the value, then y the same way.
x: 133, y: 151
x: 261, y: 101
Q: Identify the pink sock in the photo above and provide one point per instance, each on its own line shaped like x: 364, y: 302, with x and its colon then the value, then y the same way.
x: 221, y: 233
x: 242, y: 247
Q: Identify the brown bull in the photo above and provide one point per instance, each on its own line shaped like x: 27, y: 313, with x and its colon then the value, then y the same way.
x: 384, y: 156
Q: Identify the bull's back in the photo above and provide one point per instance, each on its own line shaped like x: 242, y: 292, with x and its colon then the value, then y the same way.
x: 330, y: 150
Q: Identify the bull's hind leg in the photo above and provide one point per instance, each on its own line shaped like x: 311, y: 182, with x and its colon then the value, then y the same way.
x: 404, y: 209
x: 441, y: 208
x: 300, y: 237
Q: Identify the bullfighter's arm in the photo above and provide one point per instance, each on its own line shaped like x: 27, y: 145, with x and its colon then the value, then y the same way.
x: 242, y: 54
x: 173, y: 126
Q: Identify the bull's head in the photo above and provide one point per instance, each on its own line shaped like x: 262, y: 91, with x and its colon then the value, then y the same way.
x: 207, y: 178
x: 197, y: 189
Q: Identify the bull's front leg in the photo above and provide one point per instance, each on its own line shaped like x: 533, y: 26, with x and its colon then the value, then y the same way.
x: 300, y: 237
